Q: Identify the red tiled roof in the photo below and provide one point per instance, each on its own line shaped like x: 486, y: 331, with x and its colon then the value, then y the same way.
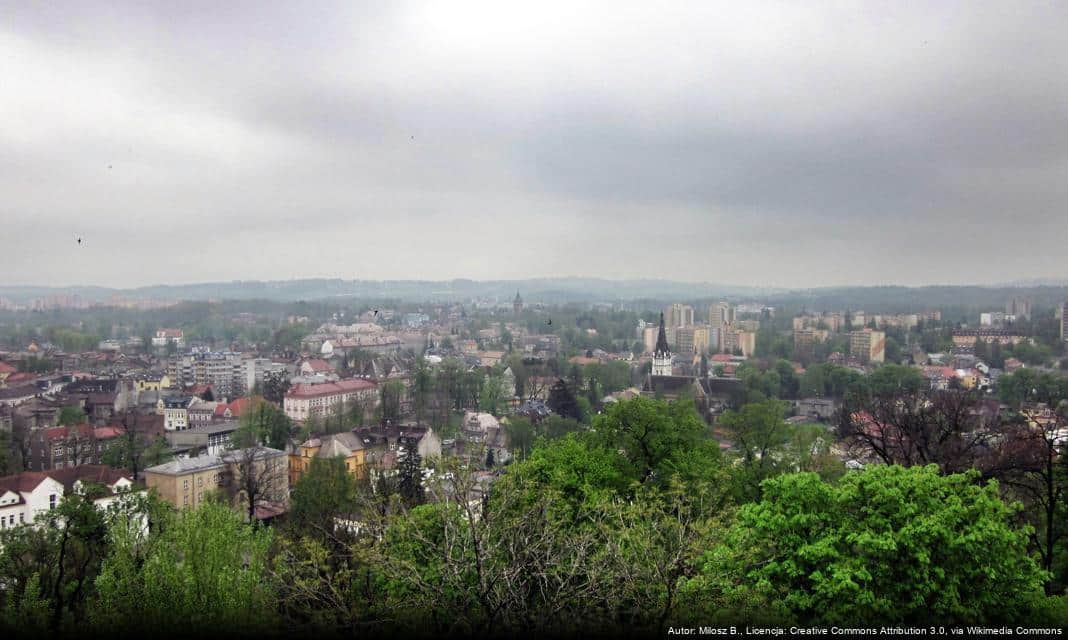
x: 721, y: 357
x: 6, y: 368
x: 236, y: 407
x: 330, y: 388
x: 83, y: 430
x: 97, y: 473
x: 318, y: 365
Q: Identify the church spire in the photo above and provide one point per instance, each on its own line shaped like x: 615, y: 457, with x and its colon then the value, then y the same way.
x: 661, y: 338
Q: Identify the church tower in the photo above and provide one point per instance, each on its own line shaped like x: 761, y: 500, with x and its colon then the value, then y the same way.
x: 662, y: 353
x: 517, y: 304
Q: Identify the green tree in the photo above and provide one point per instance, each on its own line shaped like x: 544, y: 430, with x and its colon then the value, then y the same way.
x: 652, y: 433
x: 70, y: 416
x: 201, y: 571
x: 494, y: 396
x: 887, y: 545
x: 263, y: 423
x: 325, y: 492
x: 759, y: 432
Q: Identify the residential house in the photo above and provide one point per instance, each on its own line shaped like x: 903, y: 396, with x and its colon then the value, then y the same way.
x: 24, y: 496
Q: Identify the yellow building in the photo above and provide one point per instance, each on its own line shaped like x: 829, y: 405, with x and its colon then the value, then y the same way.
x: 153, y: 384
x: 186, y: 482
x: 347, y: 445
x: 692, y: 339
x: 183, y: 482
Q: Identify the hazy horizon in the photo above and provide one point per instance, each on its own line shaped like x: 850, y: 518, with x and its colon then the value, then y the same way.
x: 763, y: 145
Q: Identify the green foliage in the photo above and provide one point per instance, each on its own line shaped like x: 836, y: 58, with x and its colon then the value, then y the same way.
x: 759, y: 432
x: 70, y: 416
x: 651, y: 433
x: 886, y: 545
x: 326, y: 491
x: 203, y: 571
x: 494, y: 396
x: 263, y: 423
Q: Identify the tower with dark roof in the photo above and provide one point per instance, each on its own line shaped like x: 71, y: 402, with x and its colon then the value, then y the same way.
x: 662, y: 353
x: 517, y: 304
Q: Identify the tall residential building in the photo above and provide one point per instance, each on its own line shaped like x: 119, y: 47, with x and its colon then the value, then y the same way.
x: 1019, y: 307
x: 735, y: 340
x: 693, y: 339
x: 679, y: 315
x: 662, y: 353
x: 1064, y: 321
x: 804, y: 339
x: 223, y: 370
x: 868, y: 345
x: 719, y: 314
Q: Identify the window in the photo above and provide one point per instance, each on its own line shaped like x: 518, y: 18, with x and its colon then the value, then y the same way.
x: 185, y: 485
x: 185, y: 501
x: 22, y: 518
x: 200, y: 481
x: 51, y: 502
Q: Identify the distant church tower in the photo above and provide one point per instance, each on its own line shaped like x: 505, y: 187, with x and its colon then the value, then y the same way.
x: 662, y: 353
x: 517, y: 304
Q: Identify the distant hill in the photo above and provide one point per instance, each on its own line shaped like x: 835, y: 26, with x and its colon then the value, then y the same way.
x: 565, y: 290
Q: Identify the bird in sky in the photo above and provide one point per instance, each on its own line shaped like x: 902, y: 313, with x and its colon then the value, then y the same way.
x: 550, y: 322
x: 78, y: 239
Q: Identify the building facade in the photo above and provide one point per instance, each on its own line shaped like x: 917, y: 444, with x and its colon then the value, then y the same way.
x: 868, y: 345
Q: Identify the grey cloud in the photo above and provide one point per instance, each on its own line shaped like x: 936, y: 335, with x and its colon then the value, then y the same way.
x: 753, y: 144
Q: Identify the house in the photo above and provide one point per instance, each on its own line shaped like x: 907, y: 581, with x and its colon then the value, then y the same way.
x: 26, y: 495
x: 819, y: 408
x: 315, y: 366
x: 347, y: 446
x: 176, y: 413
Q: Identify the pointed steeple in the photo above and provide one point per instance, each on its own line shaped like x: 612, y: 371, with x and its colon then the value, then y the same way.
x: 661, y: 338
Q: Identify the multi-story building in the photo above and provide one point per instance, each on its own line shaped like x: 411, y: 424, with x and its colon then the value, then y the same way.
x: 747, y: 325
x: 968, y: 337
x: 1019, y: 307
x: 868, y: 345
x: 164, y: 337
x: 256, y: 370
x: 63, y: 447
x: 719, y: 314
x: 185, y: 482
x: 24, y: 496
x: 678, y: 315
x: 224, y: 371
x: 735, y: 340
x: 303, y: 401
x: 176, y: 413
x: 804, y: 339
x: 692, y: 339
x: 1064, y: 321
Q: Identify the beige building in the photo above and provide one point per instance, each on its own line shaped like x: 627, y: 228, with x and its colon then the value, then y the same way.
x: 303, y: 401
x: 868, y: 345
x: 678, y: 315
x: 186, y: 483
x: 738, y: 340
x: 720, y: 314
x: 692, y: 339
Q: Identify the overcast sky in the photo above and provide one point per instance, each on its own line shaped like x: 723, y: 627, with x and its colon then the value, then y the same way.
x: 732, y: 142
